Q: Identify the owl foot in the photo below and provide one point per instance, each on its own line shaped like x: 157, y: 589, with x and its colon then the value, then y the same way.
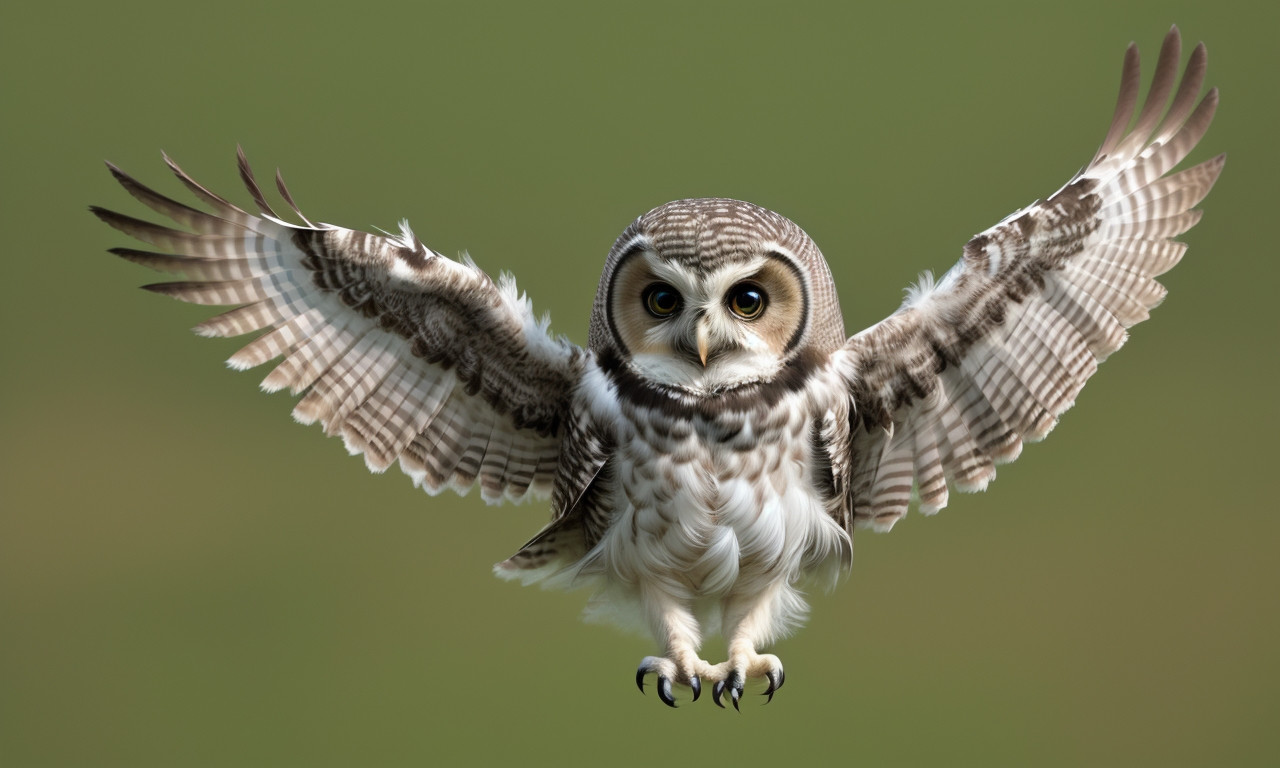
x: 668, y: 672
x: 732, y: 675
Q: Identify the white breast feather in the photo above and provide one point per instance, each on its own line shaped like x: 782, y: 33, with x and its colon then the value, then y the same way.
x: 707, y: 518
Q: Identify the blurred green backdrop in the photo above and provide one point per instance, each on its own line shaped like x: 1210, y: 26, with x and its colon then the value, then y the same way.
x: 188, y: 578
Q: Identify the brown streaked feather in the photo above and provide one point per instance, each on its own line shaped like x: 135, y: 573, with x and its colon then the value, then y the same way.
x: 239, y: 321
x: 214, y: 293
x: 219, y: 245
x: 582, y: 509
x: 1184, y: 100
x: 251, y: 184
x: 179, y: 212
x: 288, y: 198
x: 281, y: 339
x: 1161, y: 85
x: 199, y: 267
x: 386, y: 422
x: 1126, y: 102
x: 377, y: 333
x: 968, y: 370
x: 225, y: 209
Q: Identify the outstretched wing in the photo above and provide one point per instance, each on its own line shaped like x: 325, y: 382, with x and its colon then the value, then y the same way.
x: 987, y: 358
x: 408, y: 355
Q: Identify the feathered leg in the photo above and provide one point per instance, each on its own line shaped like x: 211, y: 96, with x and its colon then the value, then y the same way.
x: 673, y: 624
x: 750, y: 619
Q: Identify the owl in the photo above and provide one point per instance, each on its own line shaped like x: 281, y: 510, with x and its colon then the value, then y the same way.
x: 710, y: 452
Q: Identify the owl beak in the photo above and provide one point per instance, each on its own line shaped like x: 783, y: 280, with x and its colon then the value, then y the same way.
x: 702, y: 342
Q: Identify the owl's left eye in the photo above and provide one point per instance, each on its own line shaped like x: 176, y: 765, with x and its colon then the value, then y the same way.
x: 747, y: 300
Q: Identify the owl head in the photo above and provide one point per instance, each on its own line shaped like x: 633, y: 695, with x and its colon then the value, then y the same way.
x: 709, y: 294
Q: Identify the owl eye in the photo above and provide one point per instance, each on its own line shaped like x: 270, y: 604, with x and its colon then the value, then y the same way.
x: 661, y: 300
x: 747, y: 300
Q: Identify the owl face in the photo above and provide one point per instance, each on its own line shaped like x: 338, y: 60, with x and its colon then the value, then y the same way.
x: 707, y: 328
x: 710, y: 294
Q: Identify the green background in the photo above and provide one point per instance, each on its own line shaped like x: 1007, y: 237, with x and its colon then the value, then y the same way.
x: 188, y: 578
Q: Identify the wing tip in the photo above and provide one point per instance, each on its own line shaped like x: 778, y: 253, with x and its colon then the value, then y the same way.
x: 173, y: 289
x: 105, y: 215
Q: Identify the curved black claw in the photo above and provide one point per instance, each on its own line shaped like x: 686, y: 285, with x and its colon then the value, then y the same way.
x: 776, y: 679
x: 696, y: 685
x: 640, y: 678
x: 664, y: 692
x: 734, y: 684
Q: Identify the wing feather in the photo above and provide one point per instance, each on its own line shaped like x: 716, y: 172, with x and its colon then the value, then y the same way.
x: 990, y: 356
x: 239, y: 321
x: 409, y: 356
x: 251, y: 184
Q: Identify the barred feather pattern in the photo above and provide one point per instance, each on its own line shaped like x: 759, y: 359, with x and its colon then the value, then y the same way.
x: 409, y: 356
x: 988, y: 358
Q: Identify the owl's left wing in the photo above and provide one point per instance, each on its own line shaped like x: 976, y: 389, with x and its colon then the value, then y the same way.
x: 987, y: 358
x: 410, y: 356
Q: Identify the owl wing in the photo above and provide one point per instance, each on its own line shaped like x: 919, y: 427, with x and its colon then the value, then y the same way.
x: 410, y: 356
x: 987, y: 358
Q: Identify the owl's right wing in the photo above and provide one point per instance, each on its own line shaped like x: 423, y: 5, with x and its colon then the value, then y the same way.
x: 410, y: 356
x: 987, y: 358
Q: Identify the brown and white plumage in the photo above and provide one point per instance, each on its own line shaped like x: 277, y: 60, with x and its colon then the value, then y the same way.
x: 716, y: 443
x: 987, y: 358
x: 406, y: 354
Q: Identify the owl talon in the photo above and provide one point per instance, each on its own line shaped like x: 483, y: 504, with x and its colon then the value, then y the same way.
x: 734, y: 684
x: 670, y: 673
x: 664, y: 692
x: 667, y: 673
x: 776, y: 679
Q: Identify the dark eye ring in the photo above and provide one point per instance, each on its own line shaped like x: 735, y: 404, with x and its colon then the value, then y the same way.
x: 747, y: 300
x: 661, y: 300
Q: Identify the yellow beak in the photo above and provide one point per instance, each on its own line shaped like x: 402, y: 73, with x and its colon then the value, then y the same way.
x: 702, y: 343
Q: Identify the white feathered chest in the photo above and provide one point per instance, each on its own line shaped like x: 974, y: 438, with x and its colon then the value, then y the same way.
x: 718, y: 502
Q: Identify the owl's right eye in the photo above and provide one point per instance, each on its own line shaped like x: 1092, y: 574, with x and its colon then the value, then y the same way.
x: 661, y: 300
